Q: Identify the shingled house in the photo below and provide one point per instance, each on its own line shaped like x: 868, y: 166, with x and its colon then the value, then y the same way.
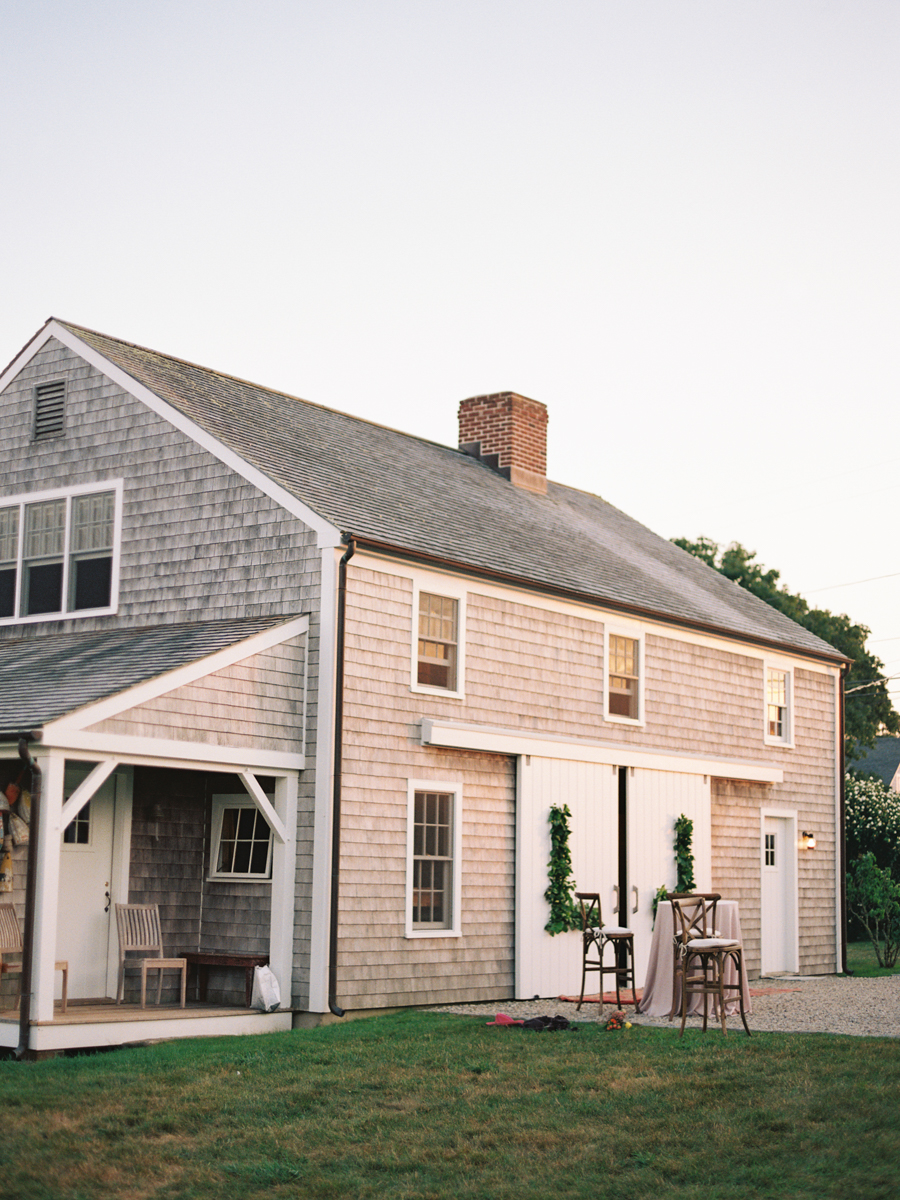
x: 312, y: 685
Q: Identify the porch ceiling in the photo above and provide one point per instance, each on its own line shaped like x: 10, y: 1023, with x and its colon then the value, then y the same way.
x: 45, y: 678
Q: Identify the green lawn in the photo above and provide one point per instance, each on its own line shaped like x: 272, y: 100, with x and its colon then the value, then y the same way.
x: 432, y: 1105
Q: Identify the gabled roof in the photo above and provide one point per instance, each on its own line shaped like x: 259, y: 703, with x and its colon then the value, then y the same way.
x: 438, y: 504
x: 44, y: 678
x: 882, y: 759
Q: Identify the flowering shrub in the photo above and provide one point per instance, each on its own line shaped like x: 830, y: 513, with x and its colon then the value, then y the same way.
x: 873, y: 821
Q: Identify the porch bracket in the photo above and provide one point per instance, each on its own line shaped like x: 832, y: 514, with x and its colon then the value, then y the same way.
x: 86, y: 789
x: 264, y: 804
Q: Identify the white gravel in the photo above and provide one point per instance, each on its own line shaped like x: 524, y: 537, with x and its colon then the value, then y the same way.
x: 814, y: 1004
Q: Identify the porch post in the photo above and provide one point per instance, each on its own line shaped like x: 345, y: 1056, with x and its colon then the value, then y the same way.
x: 284, y: 869
x: 46, y: 886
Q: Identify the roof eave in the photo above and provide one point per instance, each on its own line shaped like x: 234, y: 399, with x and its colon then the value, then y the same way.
x: 595, y: 601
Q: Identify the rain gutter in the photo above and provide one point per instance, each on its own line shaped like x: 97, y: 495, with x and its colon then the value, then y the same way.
x: 333, y: 1005
x: 842, y: 829
x: 34, y: 830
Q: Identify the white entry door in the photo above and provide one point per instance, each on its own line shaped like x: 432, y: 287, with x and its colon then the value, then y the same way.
x: 779, y: 950
x: 85, y: 888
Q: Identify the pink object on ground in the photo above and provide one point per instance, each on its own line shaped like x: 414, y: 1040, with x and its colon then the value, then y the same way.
x: 503, y: 1019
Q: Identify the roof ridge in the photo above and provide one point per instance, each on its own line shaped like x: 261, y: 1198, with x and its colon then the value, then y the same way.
x: 174, y: 358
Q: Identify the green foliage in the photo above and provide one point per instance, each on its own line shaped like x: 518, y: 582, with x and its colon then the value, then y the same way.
x: 684, y: 859
x: 564, y: 914
x: 872, y: 820
x: 874, y: 899
x: 868, y: 707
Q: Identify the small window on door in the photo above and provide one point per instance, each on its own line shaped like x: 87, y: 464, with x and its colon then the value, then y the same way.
x: 78, y: 831
x: 770, y: 850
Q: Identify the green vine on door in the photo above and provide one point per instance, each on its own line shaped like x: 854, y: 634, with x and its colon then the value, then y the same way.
x: 684, y: 861
x: 564, y: 913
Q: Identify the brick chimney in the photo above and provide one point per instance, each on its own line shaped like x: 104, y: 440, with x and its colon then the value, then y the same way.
x: 508, y: 432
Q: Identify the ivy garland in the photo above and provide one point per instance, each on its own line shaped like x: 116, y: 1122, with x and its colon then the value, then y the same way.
x: 684, y: 859
x: 564, y: 914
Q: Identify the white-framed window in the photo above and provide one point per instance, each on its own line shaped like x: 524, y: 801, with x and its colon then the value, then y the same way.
x: 433, y: 859
x: 438, y: 642
x: 59, y: 552
x: 241, y: 841
x: 623, y: 675
x: 779, y: 722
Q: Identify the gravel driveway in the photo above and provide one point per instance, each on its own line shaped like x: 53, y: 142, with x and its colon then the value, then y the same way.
x: 813, y: 1004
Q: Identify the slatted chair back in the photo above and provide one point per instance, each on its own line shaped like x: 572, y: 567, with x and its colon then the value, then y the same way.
x: 591, y: 916
x: 10, y: 934
x: 139, y: 929
x: 694, y: 915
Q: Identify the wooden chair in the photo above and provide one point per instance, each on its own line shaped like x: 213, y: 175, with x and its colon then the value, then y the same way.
x: 139, y: 930
x: 595, y: 937
x: 702, y: 957
x: 11, y: 943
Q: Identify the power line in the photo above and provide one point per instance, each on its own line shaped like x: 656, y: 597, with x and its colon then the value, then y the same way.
x: 853, y: 583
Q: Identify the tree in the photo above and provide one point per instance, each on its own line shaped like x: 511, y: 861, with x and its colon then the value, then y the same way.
x: 868, y: 708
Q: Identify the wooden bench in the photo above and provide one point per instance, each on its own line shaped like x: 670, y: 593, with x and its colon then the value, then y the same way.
x: 204, y: 959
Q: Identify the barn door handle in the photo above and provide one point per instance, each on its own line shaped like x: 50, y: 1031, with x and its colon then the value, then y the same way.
x: 636, y: 897
x: 616, y: 890
x: 106, y: 910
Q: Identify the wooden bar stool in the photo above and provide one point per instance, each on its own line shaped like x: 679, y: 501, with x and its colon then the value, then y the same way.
x: 595, y: 937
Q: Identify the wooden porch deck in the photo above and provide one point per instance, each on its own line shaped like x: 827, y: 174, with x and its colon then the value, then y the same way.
x: 96, y: 1023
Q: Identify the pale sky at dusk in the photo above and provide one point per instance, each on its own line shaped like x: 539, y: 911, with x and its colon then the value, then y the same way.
x: 676, y: 224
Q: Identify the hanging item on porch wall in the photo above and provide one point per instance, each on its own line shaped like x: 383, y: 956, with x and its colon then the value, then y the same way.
x: 24, y: 806
x: 6, y: 866
x: 18, y: 829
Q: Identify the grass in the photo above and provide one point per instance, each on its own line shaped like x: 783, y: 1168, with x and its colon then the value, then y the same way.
x: 425, y: 1105
x: 862, y: 961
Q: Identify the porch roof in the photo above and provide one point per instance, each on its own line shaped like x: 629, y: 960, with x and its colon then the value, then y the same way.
x: 44, y: 678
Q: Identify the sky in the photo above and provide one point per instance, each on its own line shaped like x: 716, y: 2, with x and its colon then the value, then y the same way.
x: 676, y: 224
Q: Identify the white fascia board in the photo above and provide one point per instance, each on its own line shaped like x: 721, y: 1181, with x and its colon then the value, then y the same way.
x: 187, y: 756
x: 160, y: 685
x: 326, y: 533
x: 457, y: 736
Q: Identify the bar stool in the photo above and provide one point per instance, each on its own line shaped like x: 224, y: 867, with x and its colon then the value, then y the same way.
x: 595, y: 937
x: 702, y: 956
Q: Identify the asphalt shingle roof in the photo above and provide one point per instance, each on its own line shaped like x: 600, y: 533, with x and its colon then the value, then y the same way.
x: 433, y: 500
x: 44, y: 678
x: 882, y: 759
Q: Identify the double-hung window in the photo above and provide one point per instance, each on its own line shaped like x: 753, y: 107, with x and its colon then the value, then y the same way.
x: 438, y: 637
x: 778, y: 705
x: 433, y: 860
x: 623, y: 676
x: 58, y: 552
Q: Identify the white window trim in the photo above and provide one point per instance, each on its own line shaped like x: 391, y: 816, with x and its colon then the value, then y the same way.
x: 774, y: 664
x: 454, y: 589
x: 455, y: 789
x: 68, y: 493
x: 636, y: 635
x: 219, y: 804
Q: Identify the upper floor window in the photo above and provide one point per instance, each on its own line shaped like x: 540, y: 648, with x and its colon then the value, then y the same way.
x: 623, y: 677
x: 58, y: 552
x: 778, y: 705
x: 438, y: 648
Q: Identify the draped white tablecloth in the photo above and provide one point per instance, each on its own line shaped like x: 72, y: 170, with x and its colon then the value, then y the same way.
x: 659, y: 984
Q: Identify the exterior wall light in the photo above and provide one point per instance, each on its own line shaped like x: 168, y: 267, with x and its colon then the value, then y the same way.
x: 807, y: 841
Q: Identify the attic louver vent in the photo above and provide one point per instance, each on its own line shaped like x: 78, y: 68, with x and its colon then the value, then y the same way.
x: 49, y: 409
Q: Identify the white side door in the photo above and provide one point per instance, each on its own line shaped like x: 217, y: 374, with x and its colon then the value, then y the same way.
x: 655, y: 800
x: 85, y: 916
x: 779, y: 949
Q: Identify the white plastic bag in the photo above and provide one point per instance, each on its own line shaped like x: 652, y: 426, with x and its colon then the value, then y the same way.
x: 266, y: 992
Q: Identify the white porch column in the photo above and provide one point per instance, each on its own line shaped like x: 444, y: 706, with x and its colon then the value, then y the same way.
x: 284, y: 870
x: 46, y: 885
